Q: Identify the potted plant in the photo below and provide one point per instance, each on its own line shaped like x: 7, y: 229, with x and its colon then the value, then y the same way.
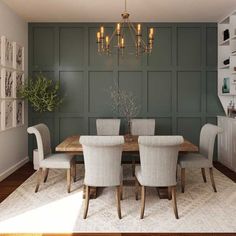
x: 126, y: 103
x: 42, y: 94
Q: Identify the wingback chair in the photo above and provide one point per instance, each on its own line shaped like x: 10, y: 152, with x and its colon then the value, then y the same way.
x: 203, y: 159
x: 144, y: 127
x: 108, y: 126
x: 141, y: 127
x: 158, y: 159
x: 47, y: 160
x: 102, y: 159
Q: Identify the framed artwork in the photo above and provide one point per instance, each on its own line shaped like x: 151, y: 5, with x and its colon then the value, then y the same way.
x: 7, y: 83
x: 19, y: 113
x: 18, y: 81
x: 7, y: 114
x: 6, y: 52
x: 18, y: 57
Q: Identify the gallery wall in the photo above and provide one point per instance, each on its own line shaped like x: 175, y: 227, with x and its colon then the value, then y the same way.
x: 14, y: 141
x: 176, y: 85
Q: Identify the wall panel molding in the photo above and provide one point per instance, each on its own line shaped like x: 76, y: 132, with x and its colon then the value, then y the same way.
x: 176, y: 85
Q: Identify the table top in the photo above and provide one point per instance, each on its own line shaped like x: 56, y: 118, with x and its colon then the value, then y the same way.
x: 72, y: 145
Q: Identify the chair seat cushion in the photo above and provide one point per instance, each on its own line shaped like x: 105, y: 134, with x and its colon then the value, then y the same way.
x: 57, y: 161
x: 193, y: 160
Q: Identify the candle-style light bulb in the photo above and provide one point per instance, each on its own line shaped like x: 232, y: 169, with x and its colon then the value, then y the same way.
x: 102, y: 31
x: 139, y: 29
x: 118, y: 29
x: 98, y: 37
x: 122, y: 42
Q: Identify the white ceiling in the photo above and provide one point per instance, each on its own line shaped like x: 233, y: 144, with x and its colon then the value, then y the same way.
x: 109, y: 10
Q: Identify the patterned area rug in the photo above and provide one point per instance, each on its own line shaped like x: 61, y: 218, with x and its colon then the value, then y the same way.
x: 53, y: 210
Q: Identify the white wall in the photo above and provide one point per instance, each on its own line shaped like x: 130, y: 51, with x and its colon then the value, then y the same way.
x: 13, y: 142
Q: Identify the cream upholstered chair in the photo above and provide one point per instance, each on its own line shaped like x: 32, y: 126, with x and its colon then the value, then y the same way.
x: 47, y: 160
x: 203, y: 159
x: 108, y: 126
x: 102, y: 159
x: 141, y: 127
x: 158, y: 156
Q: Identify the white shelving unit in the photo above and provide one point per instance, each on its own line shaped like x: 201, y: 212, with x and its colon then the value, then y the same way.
x: 227, y: 50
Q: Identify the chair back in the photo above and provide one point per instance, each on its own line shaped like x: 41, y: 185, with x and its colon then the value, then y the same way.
x: 142, y: 127
x: 108, y: 126
x: 158, y: 157
x: 102, y: 159
x: 207, y: 140
x: 43, y: 139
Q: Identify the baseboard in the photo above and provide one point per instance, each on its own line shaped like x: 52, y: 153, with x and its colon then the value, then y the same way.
x: 12, y: 169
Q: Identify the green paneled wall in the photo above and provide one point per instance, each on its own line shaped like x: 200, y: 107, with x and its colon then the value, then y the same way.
x: 176, y: 84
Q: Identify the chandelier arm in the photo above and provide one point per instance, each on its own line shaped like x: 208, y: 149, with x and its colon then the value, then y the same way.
x: 131, y: 32
x: 143, y: 44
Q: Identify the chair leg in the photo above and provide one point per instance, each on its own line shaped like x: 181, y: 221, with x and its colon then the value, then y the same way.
x: 40, y: 171
x: 74, y: 171
x: 182, y: 179
x: 121, y: 191
x: 87, y: 195
x: 68, y: 180
x: 143, y: 196
x: 203, y: 175
x: 136, y: 188
x: 174, y: 202
x: 133, y: 166
x: 212, y: 179
x: 118, y: 201
x: 46, y: 175
x: 169, y: 193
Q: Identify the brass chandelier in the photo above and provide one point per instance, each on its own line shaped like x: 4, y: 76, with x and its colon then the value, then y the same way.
x: 104, y: 42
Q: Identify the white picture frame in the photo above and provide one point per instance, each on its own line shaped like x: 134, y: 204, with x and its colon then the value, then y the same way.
x: 7, y: 83
x: 6, y: 52
x: 18, y: 82
x: 18, y: 57
x: 7, y: 114
x: 19, y: 112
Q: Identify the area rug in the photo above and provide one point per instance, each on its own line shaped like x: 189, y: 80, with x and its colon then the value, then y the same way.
x: 52, y: 209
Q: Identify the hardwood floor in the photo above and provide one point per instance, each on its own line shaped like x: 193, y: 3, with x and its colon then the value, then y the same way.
x: 13, y: 181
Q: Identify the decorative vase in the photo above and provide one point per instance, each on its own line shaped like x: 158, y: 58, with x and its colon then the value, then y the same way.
x: 129, y: 136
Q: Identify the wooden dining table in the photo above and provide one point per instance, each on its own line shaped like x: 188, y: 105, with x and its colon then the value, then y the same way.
x: 72, y: 145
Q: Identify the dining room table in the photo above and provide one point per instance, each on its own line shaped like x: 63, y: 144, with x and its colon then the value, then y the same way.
x: 72, y: 146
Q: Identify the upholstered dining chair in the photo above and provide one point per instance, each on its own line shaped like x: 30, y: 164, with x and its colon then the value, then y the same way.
x: 102, y: 159
x: 47, y: 160
x: 108, y: 126
x: 158, y: 159
x: 141, y: 127
x: 203, y: 159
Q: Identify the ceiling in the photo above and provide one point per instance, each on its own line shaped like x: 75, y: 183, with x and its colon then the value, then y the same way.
x: 110, y: 10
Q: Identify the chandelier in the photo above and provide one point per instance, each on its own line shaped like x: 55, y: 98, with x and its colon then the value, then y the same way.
x: 119, y: 35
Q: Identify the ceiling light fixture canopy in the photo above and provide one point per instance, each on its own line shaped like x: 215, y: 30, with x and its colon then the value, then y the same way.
x: 104, y: 42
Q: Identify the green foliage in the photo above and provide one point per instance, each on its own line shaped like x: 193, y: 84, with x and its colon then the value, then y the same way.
x: 42, y: 93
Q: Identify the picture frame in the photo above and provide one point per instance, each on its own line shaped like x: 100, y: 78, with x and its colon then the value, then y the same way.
x: 7, y: 83
x: 18, y: 113
x: 7, y: 114
x: 18, y: 82
x: 18, y: 57
x: 6, y: 52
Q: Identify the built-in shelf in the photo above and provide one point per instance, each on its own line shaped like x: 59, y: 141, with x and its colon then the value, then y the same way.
x: 224, y: 67
x: 233, y: 54
x: 233, y: 37
x: 224, y: 43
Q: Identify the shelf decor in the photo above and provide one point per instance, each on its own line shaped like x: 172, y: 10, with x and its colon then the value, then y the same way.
x: 226, y: 86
